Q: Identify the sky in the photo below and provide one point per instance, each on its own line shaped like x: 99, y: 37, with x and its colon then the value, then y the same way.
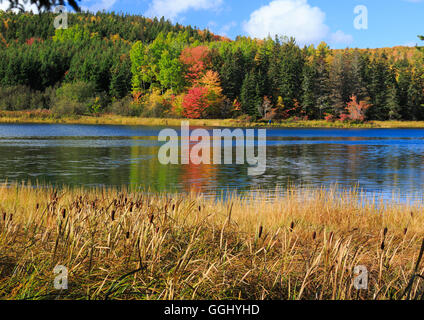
x: 343, y: 23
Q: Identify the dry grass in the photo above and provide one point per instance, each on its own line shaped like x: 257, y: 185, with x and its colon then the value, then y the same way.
x: 119, y: 244
x: 45, y: 116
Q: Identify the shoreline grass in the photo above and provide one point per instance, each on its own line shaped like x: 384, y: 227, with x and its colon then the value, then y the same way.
x: 119, y: 244
x: 37, y: 117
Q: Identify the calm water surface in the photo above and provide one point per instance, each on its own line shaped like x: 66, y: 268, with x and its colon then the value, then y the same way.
x: 376, y: 160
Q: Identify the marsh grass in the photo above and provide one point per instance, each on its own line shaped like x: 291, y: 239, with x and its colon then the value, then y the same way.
x: 46, y: 116
x: 119, y: 244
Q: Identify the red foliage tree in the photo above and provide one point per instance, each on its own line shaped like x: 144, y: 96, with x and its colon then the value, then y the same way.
x: 196, y: 60
x: 195, y: 103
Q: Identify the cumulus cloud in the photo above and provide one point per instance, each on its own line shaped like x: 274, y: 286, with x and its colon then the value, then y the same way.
x: 170, y: 9
x: 292, y: 18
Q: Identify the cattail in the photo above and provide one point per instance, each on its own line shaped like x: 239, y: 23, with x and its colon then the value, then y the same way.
x: 382, y: 245
x: 261, y: 229
x: 37, y: 206
x: 314, y: 235
x: 200, y: 209
x: 128, y: 235
x: 405, y: 231
x: 173, y: 207
x: 151, y: 218
x: 385, y: 231
x: 292, y: 227
x: 64, y: 213
x: 4, y: 216
x: 113, y: 215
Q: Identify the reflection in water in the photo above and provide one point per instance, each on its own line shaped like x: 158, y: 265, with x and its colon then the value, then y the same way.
x: 376, y: 160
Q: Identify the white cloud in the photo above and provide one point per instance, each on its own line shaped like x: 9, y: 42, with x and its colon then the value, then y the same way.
x: 4, y: 5
x: 339, y: 37
x: 170, y: 9
x: 98, y: 5
x: 293, y: 18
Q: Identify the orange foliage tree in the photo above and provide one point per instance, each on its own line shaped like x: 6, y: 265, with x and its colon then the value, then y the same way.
x: 356, y: 110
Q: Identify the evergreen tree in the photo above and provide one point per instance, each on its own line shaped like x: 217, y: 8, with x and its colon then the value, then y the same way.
x: 250, y: 98
x: 232, y: 74
x: 393, y: 103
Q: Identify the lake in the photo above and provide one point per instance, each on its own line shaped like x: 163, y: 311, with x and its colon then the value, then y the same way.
x: 379, y: 161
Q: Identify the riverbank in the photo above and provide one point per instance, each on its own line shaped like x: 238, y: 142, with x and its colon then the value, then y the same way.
x: 122, y: 245
x: 110, y: 119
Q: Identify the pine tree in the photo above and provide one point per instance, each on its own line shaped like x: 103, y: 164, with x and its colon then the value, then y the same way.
x: 316, y: 90
x: 291, y: 66
x: 416, y: 96
x: 120, y: 83
x: 393, y: 104
x: 358, y: 76
x: 232, y: 74
x: 381, y: 79
x: 250, y: 99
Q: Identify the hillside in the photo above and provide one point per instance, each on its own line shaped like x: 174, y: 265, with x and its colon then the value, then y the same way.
x: 131, y: 65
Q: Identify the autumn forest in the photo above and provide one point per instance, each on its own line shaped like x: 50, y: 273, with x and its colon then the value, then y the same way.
x: 135, y: 66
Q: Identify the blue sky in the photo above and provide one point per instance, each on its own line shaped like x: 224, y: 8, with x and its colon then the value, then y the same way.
x: 390, y: 22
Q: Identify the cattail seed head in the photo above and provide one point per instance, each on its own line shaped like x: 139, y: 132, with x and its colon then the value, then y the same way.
x: 64, y: 213
x: 385, y: 231
x: 405, y: 231
x: 128, y: 235
x: 113, y: 215
x: 261, y: 229
x: 291, y: 227
x: 314, y: 235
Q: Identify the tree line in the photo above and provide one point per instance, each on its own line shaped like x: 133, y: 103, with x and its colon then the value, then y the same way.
x: 125, y: 64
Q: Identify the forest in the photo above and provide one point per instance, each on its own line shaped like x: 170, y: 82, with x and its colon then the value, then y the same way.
x: 136, y: 66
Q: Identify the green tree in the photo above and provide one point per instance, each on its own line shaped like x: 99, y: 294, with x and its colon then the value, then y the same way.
x: 250, y: 98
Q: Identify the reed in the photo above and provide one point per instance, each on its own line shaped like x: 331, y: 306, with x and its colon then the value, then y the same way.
x: 122, y: 244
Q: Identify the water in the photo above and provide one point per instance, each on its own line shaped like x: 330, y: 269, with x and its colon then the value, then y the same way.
x: 383, y: 161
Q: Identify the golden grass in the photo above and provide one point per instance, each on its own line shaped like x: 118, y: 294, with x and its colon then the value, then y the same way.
x: 119, y: 244
x: 38, y: 116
